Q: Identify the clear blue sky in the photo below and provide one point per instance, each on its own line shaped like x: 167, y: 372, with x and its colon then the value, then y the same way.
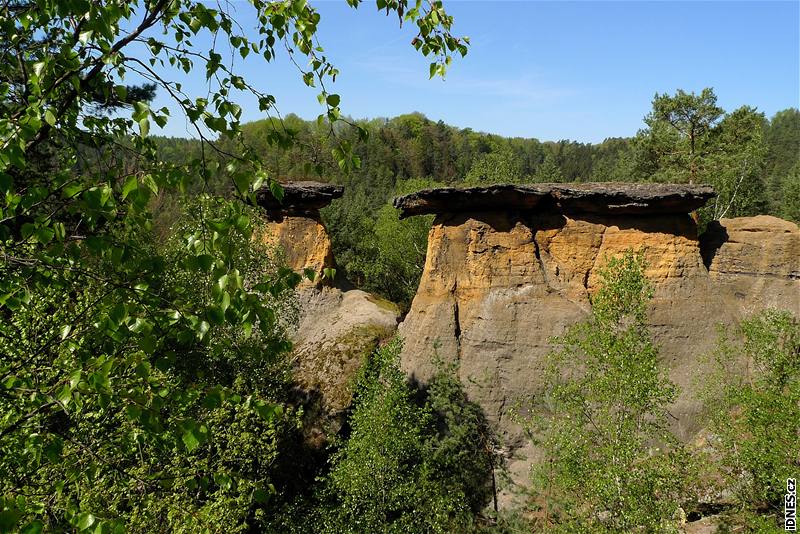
x: 551, y: 70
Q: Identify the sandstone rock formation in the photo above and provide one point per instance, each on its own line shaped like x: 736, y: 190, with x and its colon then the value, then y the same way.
x: 304, y: 241
x: 337, y: 328
x: 754, y: 260
x: 295, y: 226
x: 508, y: 267
x: 337, y: 331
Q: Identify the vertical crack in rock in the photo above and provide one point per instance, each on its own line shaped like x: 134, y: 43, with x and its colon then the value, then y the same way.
x: 538, y: 254
x: 596, y: 259
x: 456, y: 323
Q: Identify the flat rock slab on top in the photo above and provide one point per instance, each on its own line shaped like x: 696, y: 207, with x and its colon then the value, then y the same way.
x: 299, y: 196
x: 597, y: 197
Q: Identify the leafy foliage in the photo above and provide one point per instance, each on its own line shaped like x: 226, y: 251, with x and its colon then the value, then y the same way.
x: 788, y: 189
x: 385, y: 254
x: 142, y: 386
x: 738, y: 166
x: 680, y: 133
x: 548, y: 171
x: 690, y: 139
x: 401, y: 469
x: 496, y: 167
x: 782, y: 138
x: 174, y: 436
x: 603, y: 417
x: 463, y: 449
x: 755, y: 415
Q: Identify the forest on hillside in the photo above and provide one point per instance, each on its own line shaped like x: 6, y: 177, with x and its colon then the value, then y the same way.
x: 753, y: 162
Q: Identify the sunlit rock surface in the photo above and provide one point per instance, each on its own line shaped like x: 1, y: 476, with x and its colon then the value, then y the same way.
x: 755, y: 260
x: 508, y: 267
x: 294, y: 224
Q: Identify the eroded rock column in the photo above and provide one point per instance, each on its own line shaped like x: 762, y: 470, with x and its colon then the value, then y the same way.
x: 337, y: 328
x: 294, y: 224
x: 510, y: 266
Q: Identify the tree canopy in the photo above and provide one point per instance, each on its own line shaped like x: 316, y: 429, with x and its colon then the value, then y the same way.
x: 689, y: 139
x: 127, y: 371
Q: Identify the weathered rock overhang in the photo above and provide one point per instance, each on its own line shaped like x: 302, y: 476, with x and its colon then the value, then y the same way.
x: 301, y: 198
x: 612, y: 198
x: 570, y: 230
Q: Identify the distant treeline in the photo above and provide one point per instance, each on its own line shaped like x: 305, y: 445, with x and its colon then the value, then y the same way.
x: 412, y: 146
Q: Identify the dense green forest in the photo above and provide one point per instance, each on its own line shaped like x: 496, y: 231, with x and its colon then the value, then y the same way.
x: 753, y: 162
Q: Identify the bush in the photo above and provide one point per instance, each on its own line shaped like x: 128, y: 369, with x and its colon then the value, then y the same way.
x: 406, y: 467
x: 462, y: 446
x: 756, y: 415
x: 156, y: 430
x: 601, y: 422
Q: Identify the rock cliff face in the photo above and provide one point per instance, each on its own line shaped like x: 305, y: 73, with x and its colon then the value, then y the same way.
x: 754, y: 260
x: 517, y: 266
x: 337, y: 331
x: 337, y: 328
x: 510, y: 266
x: 304, y: 241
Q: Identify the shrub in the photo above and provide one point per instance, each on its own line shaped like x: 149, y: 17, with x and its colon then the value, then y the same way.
x: 601, y: 423
x: 756, y: 414
x: 156, y: 430
x: 406, y: 467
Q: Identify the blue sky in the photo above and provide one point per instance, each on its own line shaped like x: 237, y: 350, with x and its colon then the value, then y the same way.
x: 551, y: 70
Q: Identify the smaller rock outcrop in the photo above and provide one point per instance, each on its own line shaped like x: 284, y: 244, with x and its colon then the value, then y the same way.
x: 298, y: 198
x: 752, y: 246
x: 755, y: 261
x: 294, y: 224
x: 337, y: 332
x: 337, y: 328
x: 602, y: 198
